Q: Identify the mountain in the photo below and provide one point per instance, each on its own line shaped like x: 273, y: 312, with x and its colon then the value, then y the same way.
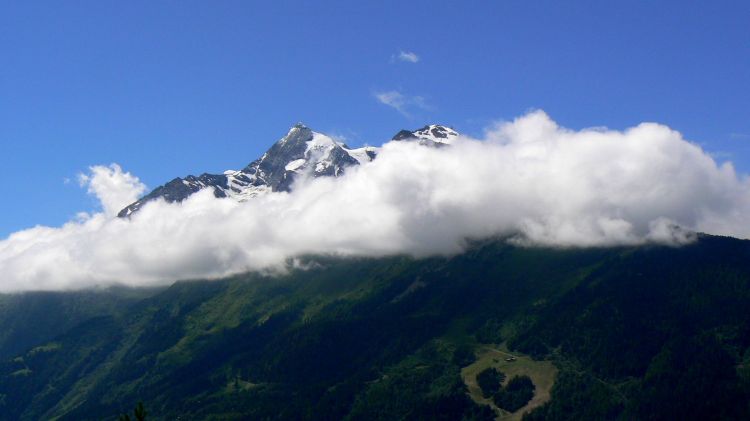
x: 301, y: 151
x: 643, y: 332
x: 432, y: 135
x: 497, y: 332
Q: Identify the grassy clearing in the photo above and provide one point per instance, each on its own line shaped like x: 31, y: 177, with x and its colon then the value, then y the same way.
x: 542, y: 373
x: 52, y: 346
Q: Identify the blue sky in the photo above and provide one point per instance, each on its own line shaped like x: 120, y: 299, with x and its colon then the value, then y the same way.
x: 171, y: 88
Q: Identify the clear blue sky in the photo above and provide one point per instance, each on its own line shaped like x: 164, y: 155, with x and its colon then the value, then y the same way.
x: 171, y: 88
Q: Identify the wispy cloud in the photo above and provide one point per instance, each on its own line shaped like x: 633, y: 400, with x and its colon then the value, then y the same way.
x: 408, y: 56
x: 400, y: 102
x: 721, y: 155
x: 742, y: 136
x: 114, y: 188
x: 343, y: 135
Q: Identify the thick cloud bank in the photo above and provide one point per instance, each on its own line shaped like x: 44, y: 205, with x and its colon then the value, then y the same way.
x: 530, y: 179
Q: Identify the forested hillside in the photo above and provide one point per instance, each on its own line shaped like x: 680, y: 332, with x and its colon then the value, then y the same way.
x: 645, y: 332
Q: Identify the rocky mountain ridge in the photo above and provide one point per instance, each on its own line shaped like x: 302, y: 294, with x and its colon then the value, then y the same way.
x: 301, y: 151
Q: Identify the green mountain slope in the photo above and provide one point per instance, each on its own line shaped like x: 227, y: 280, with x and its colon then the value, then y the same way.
x: 33, y: 318
x: 636, y: 333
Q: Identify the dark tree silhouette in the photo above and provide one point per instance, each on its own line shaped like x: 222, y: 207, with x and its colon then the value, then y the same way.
x: 139, y: 413
x: 490, y: 380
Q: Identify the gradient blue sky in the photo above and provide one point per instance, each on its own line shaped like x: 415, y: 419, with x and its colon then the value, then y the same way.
x: 171, y: 88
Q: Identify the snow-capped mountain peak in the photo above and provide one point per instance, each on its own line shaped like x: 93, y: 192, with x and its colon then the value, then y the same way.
x: 302, y: 152
x: 432, y: 135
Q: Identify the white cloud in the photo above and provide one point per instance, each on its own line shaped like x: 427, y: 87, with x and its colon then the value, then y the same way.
x: 408, y: 56
x: 530, y: 179
x: 400, y: 102
x: 113, y: 188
